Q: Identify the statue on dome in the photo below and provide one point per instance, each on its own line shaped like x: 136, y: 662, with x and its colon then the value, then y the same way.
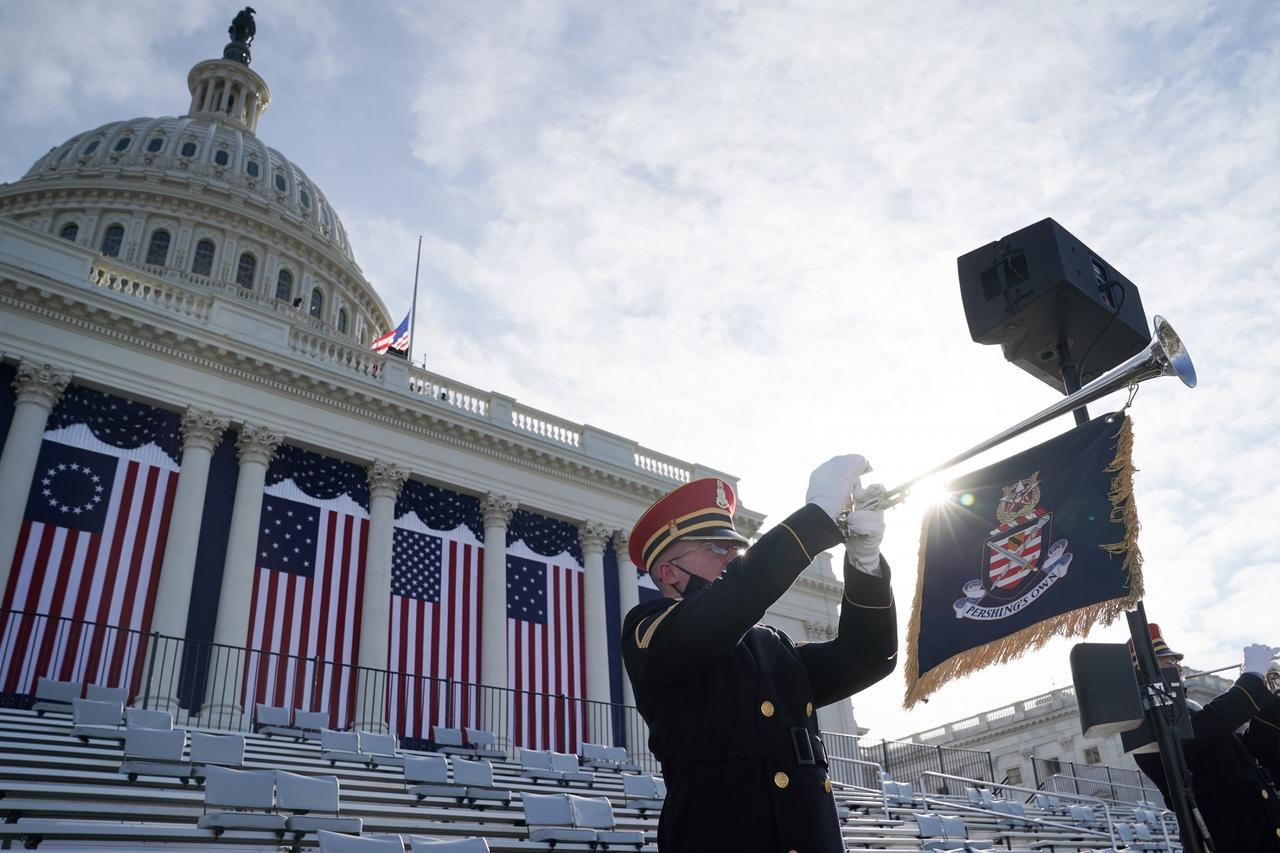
x: 242, y: 31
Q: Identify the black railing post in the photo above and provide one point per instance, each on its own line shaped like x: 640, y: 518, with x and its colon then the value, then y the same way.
x: 315, y: 684
x: 991, y: 765
x: 151, y: 668
x: 1035, y: 771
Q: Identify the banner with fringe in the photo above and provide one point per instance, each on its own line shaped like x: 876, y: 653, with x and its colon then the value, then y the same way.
x: 1039, y: 545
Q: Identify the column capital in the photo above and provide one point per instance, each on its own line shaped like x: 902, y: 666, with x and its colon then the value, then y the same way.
x: 621, y: 546
x: 41, y: 384
x: 497, y: 509
x: 257, y: 444
x: 202, y: 428
x: 592, y: 535
x: 386, y: 479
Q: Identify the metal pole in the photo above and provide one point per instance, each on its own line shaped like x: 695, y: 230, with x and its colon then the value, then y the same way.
x: 1176, y: 775
x: 1071, y: 380
x: 413, y: 309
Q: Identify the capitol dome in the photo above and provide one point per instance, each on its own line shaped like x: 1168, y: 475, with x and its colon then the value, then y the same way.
x: 201, y: 199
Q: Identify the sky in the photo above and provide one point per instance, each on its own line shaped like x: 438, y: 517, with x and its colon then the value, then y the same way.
x: 728, y: 230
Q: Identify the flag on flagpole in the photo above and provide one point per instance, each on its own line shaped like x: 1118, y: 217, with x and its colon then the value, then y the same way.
x: 1041, y: 544
x: 90, y: 545
x: 397, y: 338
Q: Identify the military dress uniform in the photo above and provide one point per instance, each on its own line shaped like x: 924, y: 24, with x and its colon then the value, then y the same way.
x: 731, y: 704
x: 1237, y: 800
x: 1263, y: 735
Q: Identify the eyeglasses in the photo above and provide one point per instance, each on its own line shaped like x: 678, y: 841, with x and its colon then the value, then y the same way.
x: 714, y: 547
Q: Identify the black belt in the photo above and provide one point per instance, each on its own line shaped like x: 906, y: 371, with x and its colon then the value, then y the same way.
x: 794, y: 745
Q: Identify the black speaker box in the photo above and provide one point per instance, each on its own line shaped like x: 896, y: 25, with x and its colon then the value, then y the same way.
x: 1041, y: 286
x: 1106, y: 689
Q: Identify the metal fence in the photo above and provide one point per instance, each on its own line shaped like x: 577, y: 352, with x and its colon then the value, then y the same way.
x: 1093, y: 780
x: 906, y: 761
x: 219, y: 686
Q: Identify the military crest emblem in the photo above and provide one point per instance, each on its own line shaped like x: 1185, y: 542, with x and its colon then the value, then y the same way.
x: 1018, y: 564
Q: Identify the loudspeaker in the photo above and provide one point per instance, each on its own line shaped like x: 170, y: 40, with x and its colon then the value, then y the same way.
x: 1039, y: 287
x: 1106, y: 689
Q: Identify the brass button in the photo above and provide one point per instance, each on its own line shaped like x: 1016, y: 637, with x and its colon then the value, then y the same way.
x: 766, y: 708
x: 808, y: 710
x: 826, y: 785
x: 781, y: 779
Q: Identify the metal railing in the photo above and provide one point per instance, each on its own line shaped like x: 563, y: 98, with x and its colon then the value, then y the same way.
x: 905, y: 760
x: 219, y: 686
x: 1094, y: 780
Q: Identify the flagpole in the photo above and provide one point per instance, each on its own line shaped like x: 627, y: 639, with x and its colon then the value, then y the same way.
x: 413, y: 309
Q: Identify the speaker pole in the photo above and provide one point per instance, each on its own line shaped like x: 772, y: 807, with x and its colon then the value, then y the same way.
x: 1163, y: 707
x: 1071, y: 379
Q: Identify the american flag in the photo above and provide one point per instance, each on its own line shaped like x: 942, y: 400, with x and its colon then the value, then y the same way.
x: 434, y: 628
x: 305, y: 609
x: 397, y: 338
x: 546, y: 651
x: 90, y: 545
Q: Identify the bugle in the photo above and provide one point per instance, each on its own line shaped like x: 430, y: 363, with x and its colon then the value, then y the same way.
x: 1164, y: 356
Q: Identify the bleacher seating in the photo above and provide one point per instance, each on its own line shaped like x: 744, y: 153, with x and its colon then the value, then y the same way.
x: 53, y: 788
x: 56, y: 696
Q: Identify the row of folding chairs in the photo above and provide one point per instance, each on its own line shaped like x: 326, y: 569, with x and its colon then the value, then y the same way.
x: 93, y: 719
x: 57, y: 696
x: 153, y: 752
x: 260, y: 799
x: 333, y: 842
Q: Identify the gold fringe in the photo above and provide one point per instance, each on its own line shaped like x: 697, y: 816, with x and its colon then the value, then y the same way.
x: 1077, y: 623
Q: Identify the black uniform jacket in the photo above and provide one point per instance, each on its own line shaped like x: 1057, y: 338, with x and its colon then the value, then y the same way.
x: 1263, y: 735
x: 1237, y: 800
x: 731, y: 704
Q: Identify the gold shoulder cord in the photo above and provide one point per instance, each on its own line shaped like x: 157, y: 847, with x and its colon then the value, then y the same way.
x: 643, y: 642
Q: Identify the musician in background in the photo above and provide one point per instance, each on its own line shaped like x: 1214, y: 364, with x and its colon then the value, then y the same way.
x: 1263, y: 735
x: 731, y: 704
x: 1239, y: 803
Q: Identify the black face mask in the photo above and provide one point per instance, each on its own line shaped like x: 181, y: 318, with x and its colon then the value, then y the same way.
x: 694, y: 584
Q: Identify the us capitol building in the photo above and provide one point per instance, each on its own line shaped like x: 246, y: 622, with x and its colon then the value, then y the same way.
x: 177, y: 295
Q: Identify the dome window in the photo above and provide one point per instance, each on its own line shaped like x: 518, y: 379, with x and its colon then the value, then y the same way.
x: 155, y: 145
x: 91, y: 147
x: 252, y: 168
x: 284, y: 285
x: 69, y: 231
x: 62, y: 156
x: 112, y: 238
x: 202, y: 260
x: 306, y: 199
x: 342, y: 320
x: 123, y: 143
x: 280, y: 183
x: 221, y: 158
x: 317, y: 303
x: 158, y: 248
x: 188, y: 149
x: 246, y: 269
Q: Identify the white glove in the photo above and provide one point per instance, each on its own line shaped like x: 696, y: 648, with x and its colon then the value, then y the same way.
x: 832, y: 482
x: 1257, y: 658
x: 866, y: 532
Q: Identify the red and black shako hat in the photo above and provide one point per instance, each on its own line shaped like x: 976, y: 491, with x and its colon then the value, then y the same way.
x: 701, y: 509
x: 1157, y: 642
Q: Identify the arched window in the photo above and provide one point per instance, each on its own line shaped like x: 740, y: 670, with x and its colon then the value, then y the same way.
x: 246, y: 269
x: 221, y: 158
x: 252, y: 168
x: 284, y: 285
x: 112, y: 239
x: 155, y: 144
x: 202, y: 260
x: 91, y: 147
x: 317, y: 303
x: 158, y: 248
x: 69, y: 231
x: 123, y: 143
x: 280, y: 183
x: 342, y: 319
x: 188, y: 149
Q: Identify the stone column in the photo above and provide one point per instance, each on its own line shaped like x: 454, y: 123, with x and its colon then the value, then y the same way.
x: 628, y: 597
x: 494, y: 704
x: 39, y: 388
x: 385, y: 481
x: 201, y: 432
x: 255, y: 447
x: 592, y: 535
